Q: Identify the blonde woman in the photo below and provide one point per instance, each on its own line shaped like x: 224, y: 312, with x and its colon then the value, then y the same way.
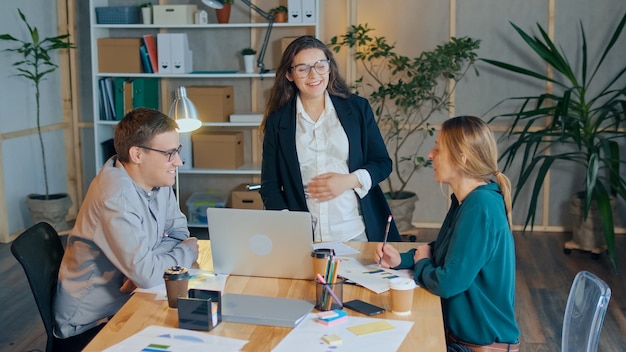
x: 471, y: 264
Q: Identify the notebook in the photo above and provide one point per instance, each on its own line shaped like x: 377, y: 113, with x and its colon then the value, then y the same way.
x: 262, y: 310
x: 266, y: 243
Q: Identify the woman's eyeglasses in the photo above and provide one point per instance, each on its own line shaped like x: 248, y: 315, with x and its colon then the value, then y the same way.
x: 322, y: 67
x: 170, y: 154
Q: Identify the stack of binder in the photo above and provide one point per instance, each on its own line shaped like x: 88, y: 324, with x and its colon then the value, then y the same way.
x: 120, y: 95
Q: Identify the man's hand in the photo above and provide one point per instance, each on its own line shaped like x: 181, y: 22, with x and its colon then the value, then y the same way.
x: 192, y: 243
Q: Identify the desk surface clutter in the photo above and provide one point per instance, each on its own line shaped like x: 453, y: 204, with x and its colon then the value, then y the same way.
x: 146, y: 322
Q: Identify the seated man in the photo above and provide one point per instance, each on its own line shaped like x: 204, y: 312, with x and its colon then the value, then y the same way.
x: 128, y: 231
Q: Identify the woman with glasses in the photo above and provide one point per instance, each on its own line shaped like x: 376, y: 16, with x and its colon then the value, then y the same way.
x: 322, y: 150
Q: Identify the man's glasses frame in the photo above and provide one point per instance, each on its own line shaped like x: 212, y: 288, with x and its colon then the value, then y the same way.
x: 303, y: 70
x: 170, y: 154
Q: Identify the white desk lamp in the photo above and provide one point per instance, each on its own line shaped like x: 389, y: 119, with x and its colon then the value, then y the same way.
x: 186, y: 115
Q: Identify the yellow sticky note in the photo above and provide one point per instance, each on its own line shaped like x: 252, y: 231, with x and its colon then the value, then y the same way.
x: 371, y: 327
x: 332, y: 340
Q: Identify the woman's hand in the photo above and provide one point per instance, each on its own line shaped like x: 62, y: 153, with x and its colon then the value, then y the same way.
x: 422, y: 252
x: 330, y: 185
x: 390, y: 255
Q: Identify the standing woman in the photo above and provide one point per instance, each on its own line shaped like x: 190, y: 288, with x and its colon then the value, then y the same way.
x: 471, y: 264
x: 322, y: 149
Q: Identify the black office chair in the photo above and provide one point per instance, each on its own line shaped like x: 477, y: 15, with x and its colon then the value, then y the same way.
x: 39, y: 250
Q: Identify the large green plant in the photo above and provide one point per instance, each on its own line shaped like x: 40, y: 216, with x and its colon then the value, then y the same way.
x: 584, y: 116
x: 35, y: 63
x: 406, y: 92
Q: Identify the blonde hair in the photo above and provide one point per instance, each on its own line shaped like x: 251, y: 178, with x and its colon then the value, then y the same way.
x: 471, y: 138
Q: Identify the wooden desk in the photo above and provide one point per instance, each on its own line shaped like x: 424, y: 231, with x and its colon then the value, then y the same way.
x: 142, y: 310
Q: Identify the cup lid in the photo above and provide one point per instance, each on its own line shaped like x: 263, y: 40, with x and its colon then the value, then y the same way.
x: 322, y: 252
x: 176, y: 272
x: 402, y: 284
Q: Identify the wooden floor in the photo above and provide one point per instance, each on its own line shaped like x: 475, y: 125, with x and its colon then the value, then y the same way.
x: 544, y: 276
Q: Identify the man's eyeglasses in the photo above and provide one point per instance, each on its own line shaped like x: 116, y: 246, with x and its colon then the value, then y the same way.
x: 322, y: 67
x: 170, y: 154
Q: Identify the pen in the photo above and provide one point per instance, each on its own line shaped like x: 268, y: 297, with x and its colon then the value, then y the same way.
x: 385, y: 240
x: 330, y: 290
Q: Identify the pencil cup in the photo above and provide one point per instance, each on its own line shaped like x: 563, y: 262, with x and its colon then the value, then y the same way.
x: 401, y: 291
x: 329, y: 296
x: 176, y: 281
x: 321, y: 257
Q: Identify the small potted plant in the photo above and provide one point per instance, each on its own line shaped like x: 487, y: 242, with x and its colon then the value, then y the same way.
x: 279, y: 13
x: 146, y: 12
x: 223, y: 14
x: 248, y: 59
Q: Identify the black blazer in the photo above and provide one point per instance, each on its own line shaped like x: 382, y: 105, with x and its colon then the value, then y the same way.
x: 281, y: 180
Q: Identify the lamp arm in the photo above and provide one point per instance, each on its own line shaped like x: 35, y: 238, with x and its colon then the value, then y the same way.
x: 270, y: 23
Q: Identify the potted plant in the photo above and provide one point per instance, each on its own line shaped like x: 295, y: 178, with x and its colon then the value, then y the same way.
x: 146, y: 12
x: 582, y: 117
x: 405, y: 94
x: 34, y: 64
x: 248, y: 59
x: 279, y: 13
x: 223, y: 14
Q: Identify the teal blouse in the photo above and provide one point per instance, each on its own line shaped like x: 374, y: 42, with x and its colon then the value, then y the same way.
x: 473, y: 269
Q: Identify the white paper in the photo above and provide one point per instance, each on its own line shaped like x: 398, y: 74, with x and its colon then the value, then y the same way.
x: 307, y: 336
x: 176, y: 340
x: 370, y: 276
x: 339, y: 248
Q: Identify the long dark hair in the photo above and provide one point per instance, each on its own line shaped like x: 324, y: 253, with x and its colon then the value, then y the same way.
x: 284, y: 90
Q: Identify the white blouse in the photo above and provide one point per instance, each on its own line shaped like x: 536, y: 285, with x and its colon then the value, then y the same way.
x: 322, y: 147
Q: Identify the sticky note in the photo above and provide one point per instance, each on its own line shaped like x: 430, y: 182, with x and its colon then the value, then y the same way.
x: 371, y: 327
x: 332, y: 315
x: 332, y: 322
x: 332, y: 340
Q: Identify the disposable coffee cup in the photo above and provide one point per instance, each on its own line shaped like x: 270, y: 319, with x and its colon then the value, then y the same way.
x: 401, y: 291
x: 176, y: 281
x: 321, y: 257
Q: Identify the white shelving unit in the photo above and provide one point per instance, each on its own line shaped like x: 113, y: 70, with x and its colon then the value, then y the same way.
x: 204, y: 39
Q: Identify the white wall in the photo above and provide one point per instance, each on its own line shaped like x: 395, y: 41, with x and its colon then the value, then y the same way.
x: 21, y: 162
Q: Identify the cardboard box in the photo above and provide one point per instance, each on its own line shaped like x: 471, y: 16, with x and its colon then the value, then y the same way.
x: 173, y: 14
x: 284, y: 42
x: 214, y: 103
x: 241, y: 198
x: 119, y: 55
x: 217, y: 150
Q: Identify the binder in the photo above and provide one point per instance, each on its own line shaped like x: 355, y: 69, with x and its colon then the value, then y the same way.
x: 163, y: 53
x: 151, y: 46
x: 295, y: 11
x: 146, y: 93
x: 309, y: 14
x: 145, y: 59
x: 118, y: 95
x: 181, y: 55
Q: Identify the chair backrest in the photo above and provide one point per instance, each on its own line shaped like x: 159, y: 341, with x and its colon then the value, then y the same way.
x: 39, y: 250
x: 584, y: 314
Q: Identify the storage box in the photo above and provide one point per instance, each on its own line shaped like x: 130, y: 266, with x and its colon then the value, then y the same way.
x: 119, y: 55
x: 241, y: 198
x: 117, y: 15
x: 214, y: 103
x: 284, y: 42
x: 217, y: 150
x: 197, y: 204
x: 174, y: 14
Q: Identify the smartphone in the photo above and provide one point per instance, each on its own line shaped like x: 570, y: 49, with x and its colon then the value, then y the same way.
x: 363, y: 307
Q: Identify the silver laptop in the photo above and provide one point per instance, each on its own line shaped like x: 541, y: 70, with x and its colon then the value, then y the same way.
x: 267, y: 243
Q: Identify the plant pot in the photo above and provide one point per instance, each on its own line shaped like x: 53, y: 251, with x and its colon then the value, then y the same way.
x: 53, y: 210
x: 587, y: 235
x: 280, y: 17
x: 248, y: 61
x: 402, y: 209
x: 223, y: 14
x: 146, y: 15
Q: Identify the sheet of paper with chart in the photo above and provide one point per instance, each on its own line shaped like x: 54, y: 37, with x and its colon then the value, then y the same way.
x: 370, y: 275
x: 158, y: 338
